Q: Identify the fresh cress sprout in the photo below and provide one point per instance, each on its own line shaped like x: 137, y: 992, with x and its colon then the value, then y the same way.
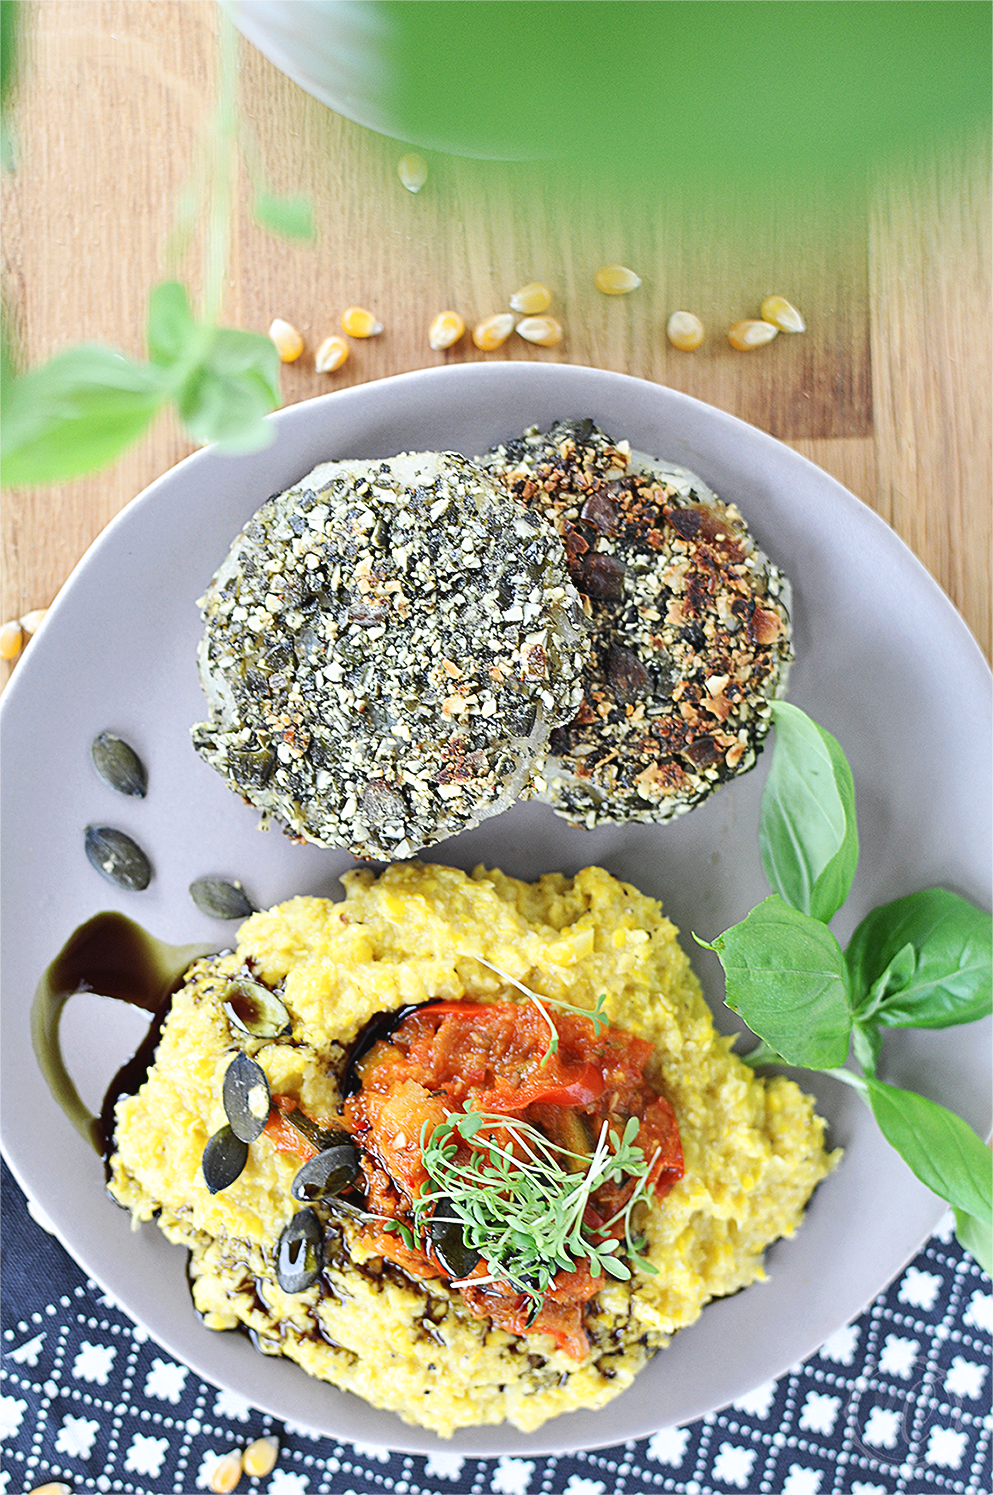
x: 519, y: 1204
x: 923, y: 961
x: 596, y: 1016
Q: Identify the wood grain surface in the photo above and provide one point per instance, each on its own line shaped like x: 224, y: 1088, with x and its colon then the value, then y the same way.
x: 888, y: 389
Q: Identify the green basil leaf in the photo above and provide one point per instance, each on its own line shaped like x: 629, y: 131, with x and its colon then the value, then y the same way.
x: 785, y: 975
x: 867, y: 1043
x: 807, y: 834
x: 290, y: 216
x: 977, y: 1238
x: 951, y: 980
x: 75, y: 414
x: 171, y: 328
x: 226, y: 397
x: 943, y: 1151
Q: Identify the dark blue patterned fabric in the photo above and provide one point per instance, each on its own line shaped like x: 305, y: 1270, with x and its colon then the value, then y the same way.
x: 898, y: 1401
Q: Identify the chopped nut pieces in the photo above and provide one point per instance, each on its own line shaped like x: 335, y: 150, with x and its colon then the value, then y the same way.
x: 782, y: 314
x: 544, y: 331
x: 226, y: 1473
x: 412, y: 170
x: 692, y: 635
x: 445, y: 330
x: 358, y: 322
x: 751, y: 334
x: 685, y: 331
x: 616, y: 280
x: 331, y: 354
x: 332, y: 629
x: 289, y: 343
x: 531, y: 299
x: 259, y: 1458
x: 493, y: 332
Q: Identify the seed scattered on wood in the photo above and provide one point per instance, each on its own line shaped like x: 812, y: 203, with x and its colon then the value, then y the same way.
x: 33, y: 620
x: 493, y: 332
x: 331, y: 354
x: 412, y: 170
x: 616, y: 280
x: 751, y: 334
x: 358, y: 322
x: 12, y: 640
x: 220, y: 899
x: 531, y: 299
x: 117, y: 858
x: 226, y: 1473
x: 288, y: 341
x: 782, y: 314
x: 685, y: 331
x: 545, y: 331
x: 445, y: 330
x: 259, y: 1458
x: 118, y: 765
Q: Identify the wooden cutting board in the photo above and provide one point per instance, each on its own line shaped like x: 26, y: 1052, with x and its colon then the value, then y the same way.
x: 888, y: 388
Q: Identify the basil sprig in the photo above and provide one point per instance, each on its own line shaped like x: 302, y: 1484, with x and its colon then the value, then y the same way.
x: 924, y: 961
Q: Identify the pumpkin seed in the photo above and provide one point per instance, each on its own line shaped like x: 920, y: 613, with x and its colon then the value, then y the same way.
x: 118, y: 765
x: 254, y: 1009
x: 246, y: 1097
x: 117, y: 858
x: 300, y: 1253
x: 329, y: 1173
x: 224, y: 1157
x: 450, y: 1246
x: 220, y: 899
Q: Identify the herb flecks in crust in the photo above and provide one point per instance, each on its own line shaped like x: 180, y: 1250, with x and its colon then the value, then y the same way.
x: 692, y: 628
x: 386, y: 649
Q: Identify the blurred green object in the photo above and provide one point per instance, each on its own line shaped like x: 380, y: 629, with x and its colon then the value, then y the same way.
x: 723, y: 93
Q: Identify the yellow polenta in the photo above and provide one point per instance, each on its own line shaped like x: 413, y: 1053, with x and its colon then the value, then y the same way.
x: 754, y: 1149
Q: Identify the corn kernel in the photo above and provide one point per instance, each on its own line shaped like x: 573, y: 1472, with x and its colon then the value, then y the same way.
x: 616, y: 280
x: 684, y: 330
x: 751, y: 334
x: 493, y: 332
x: 331, y: 354
x: 532, y: 298
x: 445, y: 330
x: 544, y: 331
x: 12, y: 640
x: 412, y: 170
x: 226, y: 1473
x: 358, y: 322
x: 32, y: 621
x: 782, y: 314
x: 289, y: 343
x: 259, y: 1458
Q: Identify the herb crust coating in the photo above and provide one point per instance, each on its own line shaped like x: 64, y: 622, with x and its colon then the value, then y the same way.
x: 386, y: 648
x: 691, y: 626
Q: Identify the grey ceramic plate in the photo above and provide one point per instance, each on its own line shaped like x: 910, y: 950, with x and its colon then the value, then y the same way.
x: 883, y: 661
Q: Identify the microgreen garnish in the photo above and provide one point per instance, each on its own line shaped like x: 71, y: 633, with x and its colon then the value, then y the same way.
x: 596, y: 1016
x: 521, y: 1207
x: 923, y: 961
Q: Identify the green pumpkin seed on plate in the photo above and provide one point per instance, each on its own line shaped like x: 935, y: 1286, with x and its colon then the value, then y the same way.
x: 118, y: 765
x: 117, y: 857
x: 220, y: 899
